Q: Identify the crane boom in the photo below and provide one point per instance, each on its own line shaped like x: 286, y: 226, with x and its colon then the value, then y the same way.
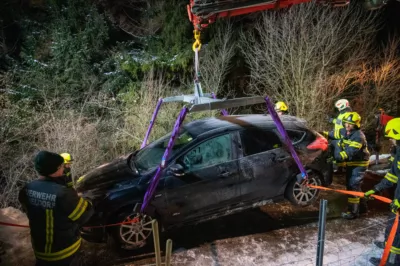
x: 204, y: 12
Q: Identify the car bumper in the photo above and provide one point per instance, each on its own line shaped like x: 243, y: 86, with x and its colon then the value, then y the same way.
x: 96, y: 235
x: 323, y: 164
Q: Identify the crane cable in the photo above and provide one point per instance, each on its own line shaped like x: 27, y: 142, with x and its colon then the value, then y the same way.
x: 196, y: 48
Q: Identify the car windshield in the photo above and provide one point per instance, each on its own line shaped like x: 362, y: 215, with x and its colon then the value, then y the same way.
x: 151, y: 155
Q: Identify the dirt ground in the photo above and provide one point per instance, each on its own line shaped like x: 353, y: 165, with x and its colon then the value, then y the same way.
x: 278, y: 234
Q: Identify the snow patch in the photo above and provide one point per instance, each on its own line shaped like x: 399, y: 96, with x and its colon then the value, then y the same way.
x: 381, y: 156
x: 347, y: 243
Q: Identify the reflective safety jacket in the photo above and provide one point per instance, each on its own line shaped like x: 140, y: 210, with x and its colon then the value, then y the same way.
x: 338, y: 121
x: 350, y: 148
x: 392, y: 177
x: 55, y: 214
x: 68, y: 177
x: 392, y: 154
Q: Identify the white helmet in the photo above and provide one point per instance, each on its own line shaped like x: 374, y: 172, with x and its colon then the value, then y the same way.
x: 342, y: 104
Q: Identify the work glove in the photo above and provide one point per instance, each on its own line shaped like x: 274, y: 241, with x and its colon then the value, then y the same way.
x: 336, y: 153
x: 367, y: 195
x: 340, y: 143
x: 394, y: 206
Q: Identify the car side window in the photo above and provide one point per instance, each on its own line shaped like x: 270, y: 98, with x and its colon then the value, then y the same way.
x: 210, y: 152
x: 256, y: 141
x: 295, y: 135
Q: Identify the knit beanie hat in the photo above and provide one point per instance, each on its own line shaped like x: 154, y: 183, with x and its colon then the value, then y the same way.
x: 47, y: 163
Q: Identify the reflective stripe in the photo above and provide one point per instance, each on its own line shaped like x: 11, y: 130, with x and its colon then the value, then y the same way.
x: 353, y: 200
x: 391, y: 159
x: 395, y: 250
x: 361, y: 163
x: 49, y: 230
x: 398, y: 165
x: 82, y: 210
x: 79, y: 210
x: 391, y: 177
x: 340, y: 163
x: 46, y: 247
x: 355, y: 145
x: 343, y: 154
x: 337, y: 134
x: 62, y: 254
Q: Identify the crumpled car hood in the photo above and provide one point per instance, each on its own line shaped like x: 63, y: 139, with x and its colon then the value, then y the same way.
x: 105, y: 176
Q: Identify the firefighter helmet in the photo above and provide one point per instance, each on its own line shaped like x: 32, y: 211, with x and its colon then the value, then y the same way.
x: 67, y: 157
x: 392, y: 129
x: 281, y: 107
x: 342, y: 104
x: 352, y: 118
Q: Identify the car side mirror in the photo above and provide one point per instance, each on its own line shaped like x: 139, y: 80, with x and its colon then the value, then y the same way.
x: 177, y: 170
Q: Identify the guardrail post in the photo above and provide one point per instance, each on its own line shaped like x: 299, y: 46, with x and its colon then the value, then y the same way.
x: 156, y: 238
x: 321, y: 232
x: 168, y: 252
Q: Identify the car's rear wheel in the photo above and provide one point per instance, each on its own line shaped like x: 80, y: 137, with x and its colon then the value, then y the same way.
x: 133, y: 235
x: 302, y: 195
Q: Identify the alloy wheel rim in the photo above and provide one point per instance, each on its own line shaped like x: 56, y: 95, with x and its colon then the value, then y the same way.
x: 304, y: 194
x: 135, y: 234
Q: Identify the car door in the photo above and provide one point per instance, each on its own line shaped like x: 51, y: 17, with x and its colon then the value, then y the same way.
x: 210, y: 181
x: 265, y: 166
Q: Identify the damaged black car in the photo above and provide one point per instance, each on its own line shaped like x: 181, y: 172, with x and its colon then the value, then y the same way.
x: 218, y: 166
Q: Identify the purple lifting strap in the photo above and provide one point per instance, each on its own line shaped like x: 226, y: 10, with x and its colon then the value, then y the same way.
x: 223, y: 111
x: 285, y: 136
x: 156, y: 178
x: 153, y: 119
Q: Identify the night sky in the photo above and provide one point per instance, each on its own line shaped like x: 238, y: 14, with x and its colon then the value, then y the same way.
x: 391, y: 16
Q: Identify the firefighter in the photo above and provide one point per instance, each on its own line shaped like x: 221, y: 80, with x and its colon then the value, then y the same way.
x: 281, y: 108
x: 351, y: 148
x: 392, y: 131
x: 67, y: 168
x: 343, y: 106
x: 55, y: 213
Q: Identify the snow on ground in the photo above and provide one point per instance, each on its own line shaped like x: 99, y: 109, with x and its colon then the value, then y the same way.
x: 347, y: 243
x: 381, y: 156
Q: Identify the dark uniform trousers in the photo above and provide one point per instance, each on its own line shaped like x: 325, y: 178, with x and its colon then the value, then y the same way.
x: 389, y: 180
x: 350, y: 149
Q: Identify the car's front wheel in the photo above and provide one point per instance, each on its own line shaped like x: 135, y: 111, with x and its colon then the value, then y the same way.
x: 134, y: 235
x: 302, y: 195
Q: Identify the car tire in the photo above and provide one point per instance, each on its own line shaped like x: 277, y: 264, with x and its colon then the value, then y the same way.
x: 303, y: 196
x: 132, y: 236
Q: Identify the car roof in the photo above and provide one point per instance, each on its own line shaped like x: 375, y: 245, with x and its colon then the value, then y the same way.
x: 233, y: 122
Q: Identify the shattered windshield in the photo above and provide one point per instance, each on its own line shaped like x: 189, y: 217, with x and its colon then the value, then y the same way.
x: 150, y: 156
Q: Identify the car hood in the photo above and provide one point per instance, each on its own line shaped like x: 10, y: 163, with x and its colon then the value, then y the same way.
x: 106, y: 176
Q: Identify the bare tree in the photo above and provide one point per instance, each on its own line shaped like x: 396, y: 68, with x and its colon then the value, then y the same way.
x: 306, y: 56
x: 378, y: 84
x: 132, y: 16
x: 216, y: 58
